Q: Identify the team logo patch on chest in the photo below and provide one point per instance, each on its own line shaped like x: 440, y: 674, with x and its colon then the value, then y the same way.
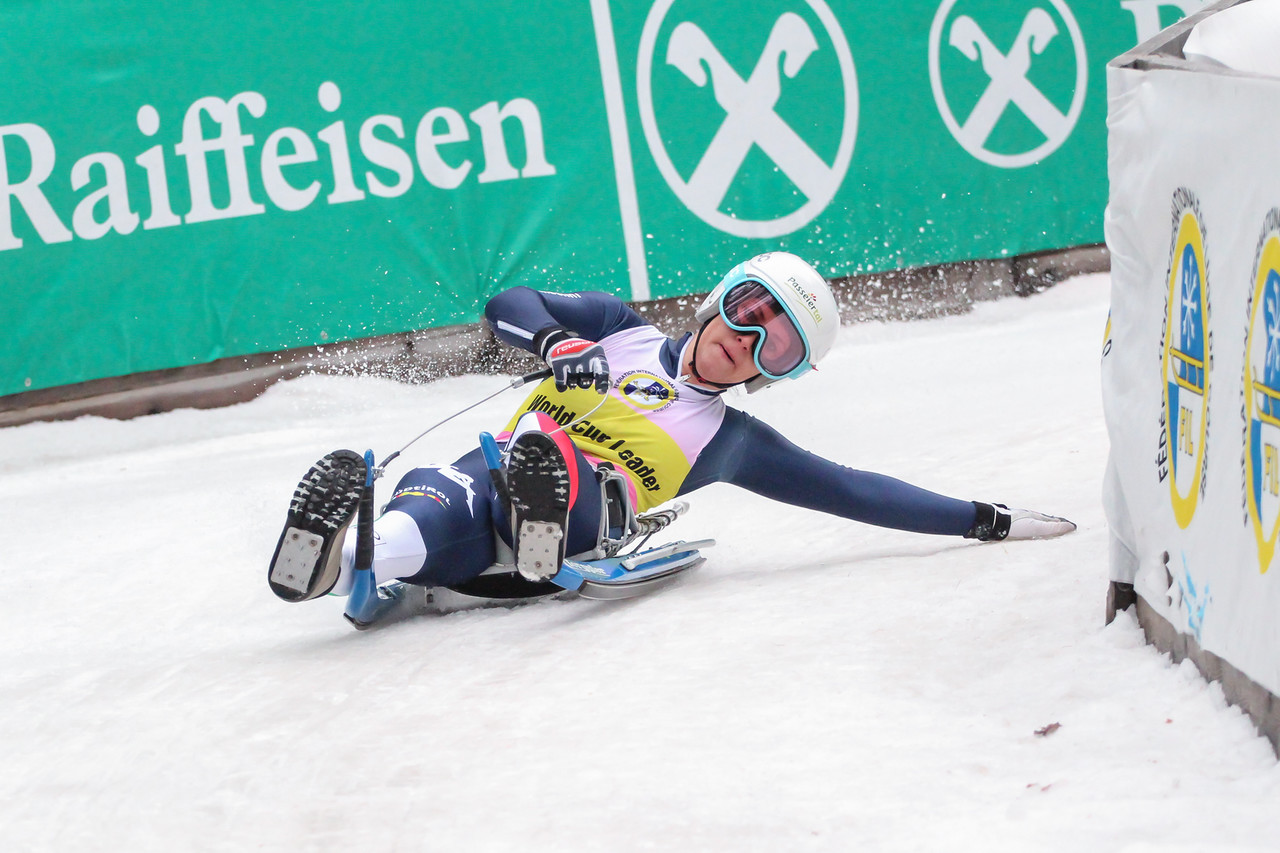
x: 646, y: 391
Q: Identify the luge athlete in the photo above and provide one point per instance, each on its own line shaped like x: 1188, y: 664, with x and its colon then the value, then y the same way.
x: 622, y: 395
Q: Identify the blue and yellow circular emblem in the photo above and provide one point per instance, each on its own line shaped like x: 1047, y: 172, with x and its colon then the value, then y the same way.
x: 1262, y: 394
x: 646, y: 391
x: 1185, y: 361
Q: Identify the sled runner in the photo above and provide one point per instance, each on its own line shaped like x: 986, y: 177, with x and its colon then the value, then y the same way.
x: 607, y: 579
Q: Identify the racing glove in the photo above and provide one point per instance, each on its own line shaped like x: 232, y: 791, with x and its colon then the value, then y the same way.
x: 574, y: 361
x: 996, y: 522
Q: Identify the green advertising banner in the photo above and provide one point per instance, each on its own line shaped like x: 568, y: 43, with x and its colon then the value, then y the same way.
x: 195, y: 180
x: 872, y: 137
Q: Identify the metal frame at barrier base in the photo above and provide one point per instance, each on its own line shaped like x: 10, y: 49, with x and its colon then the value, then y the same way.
x: 1257, y: 702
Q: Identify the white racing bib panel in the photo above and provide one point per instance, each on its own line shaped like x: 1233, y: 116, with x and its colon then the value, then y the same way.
x: 650, y: 426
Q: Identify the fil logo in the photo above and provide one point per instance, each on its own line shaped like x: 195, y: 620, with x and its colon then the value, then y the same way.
x: 715, y: 82
x: 646, y: 391
x: 1185, y: 348
x: 1009, y: 78
x: 1262, y: 394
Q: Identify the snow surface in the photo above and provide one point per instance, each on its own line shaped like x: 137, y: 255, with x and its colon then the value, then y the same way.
x: 818, y: 685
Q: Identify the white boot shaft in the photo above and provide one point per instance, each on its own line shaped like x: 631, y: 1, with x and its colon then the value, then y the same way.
x: 398, y: 551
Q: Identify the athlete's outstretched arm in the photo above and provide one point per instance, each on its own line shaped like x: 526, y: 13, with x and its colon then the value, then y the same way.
x: 751, y: 454
x: 525, y: 318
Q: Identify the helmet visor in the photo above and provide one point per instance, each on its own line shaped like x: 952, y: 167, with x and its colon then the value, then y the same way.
x: 781, y: 348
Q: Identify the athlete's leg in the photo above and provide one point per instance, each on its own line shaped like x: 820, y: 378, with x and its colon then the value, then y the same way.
x: 438, y: 527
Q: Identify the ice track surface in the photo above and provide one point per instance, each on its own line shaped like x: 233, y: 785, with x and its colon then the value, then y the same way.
x: 818, y: 685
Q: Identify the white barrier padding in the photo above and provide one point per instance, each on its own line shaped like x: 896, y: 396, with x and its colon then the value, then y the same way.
x: 1191, y: 365
x: 1243, y: 38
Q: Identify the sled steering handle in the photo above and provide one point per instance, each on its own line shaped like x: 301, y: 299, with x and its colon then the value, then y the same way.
x: 536, y: 376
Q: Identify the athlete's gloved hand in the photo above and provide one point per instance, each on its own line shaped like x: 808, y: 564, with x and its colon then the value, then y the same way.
x: 995, y: 522
x: 575, y: 362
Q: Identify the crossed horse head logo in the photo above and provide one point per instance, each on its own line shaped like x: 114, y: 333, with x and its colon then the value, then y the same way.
x: 747, y: 106
x: 1007, y: 80
x: 746, y: 109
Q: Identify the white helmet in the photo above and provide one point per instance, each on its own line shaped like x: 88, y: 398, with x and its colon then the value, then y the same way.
x: 807, y: 328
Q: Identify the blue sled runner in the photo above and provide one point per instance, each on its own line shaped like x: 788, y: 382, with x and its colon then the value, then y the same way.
x: 606, y: 579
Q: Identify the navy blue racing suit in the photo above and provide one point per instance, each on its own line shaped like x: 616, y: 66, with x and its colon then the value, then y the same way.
x: 668, y: 436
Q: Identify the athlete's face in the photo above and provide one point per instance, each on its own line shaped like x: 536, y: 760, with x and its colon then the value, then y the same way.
x: 724, y: 355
